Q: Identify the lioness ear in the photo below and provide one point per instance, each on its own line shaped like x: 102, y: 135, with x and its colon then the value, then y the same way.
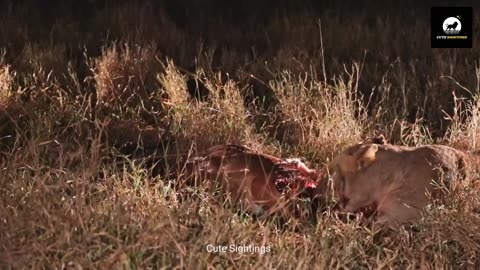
x: 365, y: 156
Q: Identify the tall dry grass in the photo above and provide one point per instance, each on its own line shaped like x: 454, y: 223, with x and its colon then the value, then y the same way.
x: 319, y: 118
x: 76, y: 106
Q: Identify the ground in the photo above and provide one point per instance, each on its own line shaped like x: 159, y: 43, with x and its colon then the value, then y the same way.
x: 86, y: 93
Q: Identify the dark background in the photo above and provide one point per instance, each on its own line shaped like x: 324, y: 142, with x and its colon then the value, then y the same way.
x: 389, y: 38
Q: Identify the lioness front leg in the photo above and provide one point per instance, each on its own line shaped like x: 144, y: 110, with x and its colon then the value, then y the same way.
x: 394, y: 212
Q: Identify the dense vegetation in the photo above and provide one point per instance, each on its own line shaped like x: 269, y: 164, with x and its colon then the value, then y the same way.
x: 101, y: 101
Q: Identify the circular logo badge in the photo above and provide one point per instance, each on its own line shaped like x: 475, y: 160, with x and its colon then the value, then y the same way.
x: 452, y: 26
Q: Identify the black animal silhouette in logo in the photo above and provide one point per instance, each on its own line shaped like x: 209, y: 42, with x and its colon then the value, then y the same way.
x: 452, y: 26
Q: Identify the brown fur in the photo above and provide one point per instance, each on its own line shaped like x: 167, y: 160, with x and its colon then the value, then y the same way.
x: 252, y: 177
x: 396, y: 180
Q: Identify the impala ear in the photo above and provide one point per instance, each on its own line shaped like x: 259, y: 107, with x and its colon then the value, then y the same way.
x: 365, y: 156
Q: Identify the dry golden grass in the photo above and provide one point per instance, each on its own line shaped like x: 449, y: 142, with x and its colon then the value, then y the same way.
x: 70, y: 200
x: 124, y: 75
x: 6, y: 83
x: 319, y: 118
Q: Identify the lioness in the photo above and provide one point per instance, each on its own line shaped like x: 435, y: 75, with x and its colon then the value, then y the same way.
x: 264, y: 183
x: 397, y: 181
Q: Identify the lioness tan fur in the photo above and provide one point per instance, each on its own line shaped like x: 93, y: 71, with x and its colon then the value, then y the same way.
x: 397, y: 181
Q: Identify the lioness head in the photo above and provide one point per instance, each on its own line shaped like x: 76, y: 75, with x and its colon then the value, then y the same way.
x: 348, y: 164
x: 358, y: 156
